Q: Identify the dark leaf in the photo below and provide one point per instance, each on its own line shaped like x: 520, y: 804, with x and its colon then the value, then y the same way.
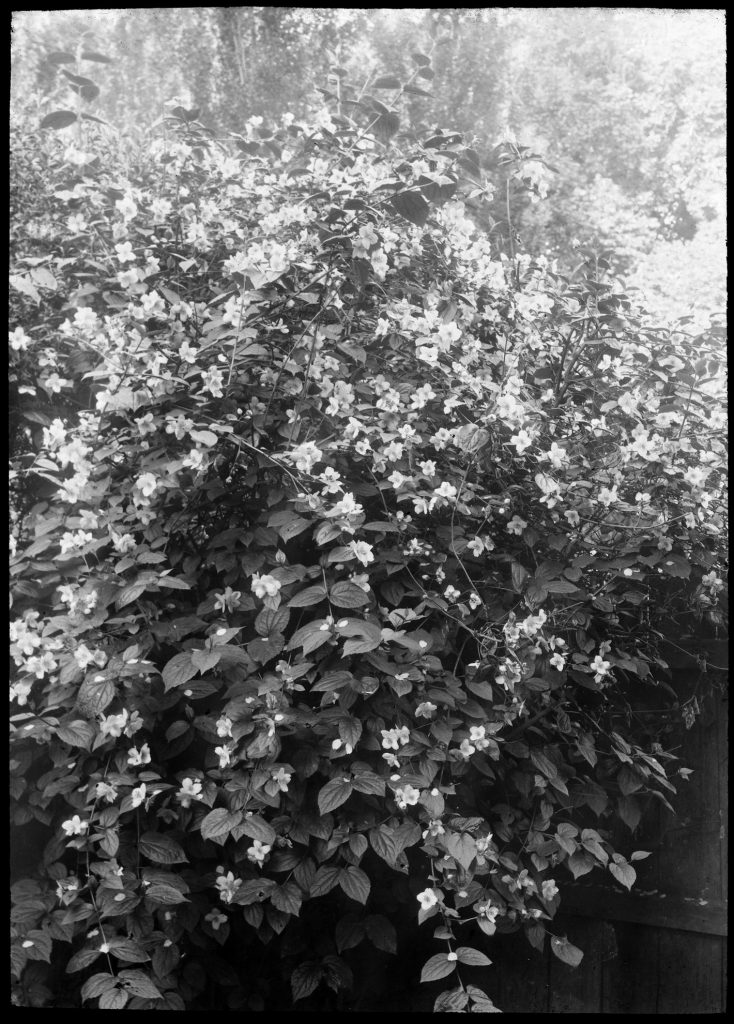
x: 59, y: 119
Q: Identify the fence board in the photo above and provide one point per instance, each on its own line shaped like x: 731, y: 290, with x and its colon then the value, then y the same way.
x: 689, y: 972
x: 575, y: 990
x: 670, y: 930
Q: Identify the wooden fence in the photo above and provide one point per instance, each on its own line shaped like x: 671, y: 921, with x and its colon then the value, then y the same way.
x: 662, y: 947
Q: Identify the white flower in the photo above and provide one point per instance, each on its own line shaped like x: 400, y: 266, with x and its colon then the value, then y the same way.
x: 146, y: 484
x: 125, y: 252
x: 18, y: 340
x: 258, y: 852
x: 428, y: 353
x: 265, y: 586
x: 521, y: 441
x: 407, y: 796
x: 607, y: 496
x: 190, y: 790
x: 213, y: 381
x: 75, y: 826
x: 427, y: 899
x: 516, y: 525
x: 346, y: 507
x: 227, y: 601
x: 124, y: 542
x: 105, y: 791
x: 549, y: 889
x: 600, y: 667
x: 228, y: 886
x: 283, y: 778
x: 466, y: 749
x: 127, y: 207
x: 224, y: 726
x: 425, y: 709
x: 362, y: 551
x: 476, y: 546
x: 445, y: 490
x: 114, y: 725
x: 558, y: 662
x: 137, y: 757
x: 478, y: 738
x: 225, y: 755
x: 138, y: 795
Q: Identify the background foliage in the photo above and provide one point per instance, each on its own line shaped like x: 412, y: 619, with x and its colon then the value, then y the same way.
x: 627, y: 106
x: 348, y: 543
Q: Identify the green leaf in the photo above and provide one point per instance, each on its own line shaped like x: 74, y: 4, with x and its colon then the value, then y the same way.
x: 334, y: 794
x: 367, y: 782
x: 381, y: 933
x: 565, y: 951
x: 461, y: 847
x: 93, y: 696
x: 139, y: 984
x: 288, y: 898
x: 624, y: 873
x: 58, y: 119
x: 272, y: 620
x: 306, y: 979
x: 217, y: 824
x: 325, y: 879
x: 287, y: 524
x: 93, y: 55
x: 164, y: 895
x: 60, y: 57
x: 412, y: 206
x: 629, y: 780
x: 384, y: 843
x: 82, y: 959
x: 77, y: 733
x: 205, y: 660
x: 350, y: 730
x: 385, y: 127
x: 256, y: 827
x: 355, y: 884
x: 128, y: 951
x: 543, y: 764
x: 178, y: 670
x: 113, y: 999
x: 173, y: 583
x: 580, y: 863
x: 161, y: 849
x: 472, y: 957
x: 387, y: 82
x: 264, y: 649
x: 348, y: 595
x: 348, y: 933
x: 310, y: 637
x: 96, y: 985
x: 332, y: 681
x: 439, y: 966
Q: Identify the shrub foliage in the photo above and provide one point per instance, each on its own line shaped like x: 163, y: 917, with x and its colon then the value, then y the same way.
x: 343, y: 546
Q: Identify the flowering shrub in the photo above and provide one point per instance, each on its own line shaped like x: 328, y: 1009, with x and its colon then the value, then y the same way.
x: 342, y: 544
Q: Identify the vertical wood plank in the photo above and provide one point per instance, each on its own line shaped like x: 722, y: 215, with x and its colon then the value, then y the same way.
x: 578, y: 990
x: 523, y: 976
x: 629, y: 980
x: 689, y: 973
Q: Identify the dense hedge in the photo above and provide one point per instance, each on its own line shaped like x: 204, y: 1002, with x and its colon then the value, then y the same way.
x: 343, y: 549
